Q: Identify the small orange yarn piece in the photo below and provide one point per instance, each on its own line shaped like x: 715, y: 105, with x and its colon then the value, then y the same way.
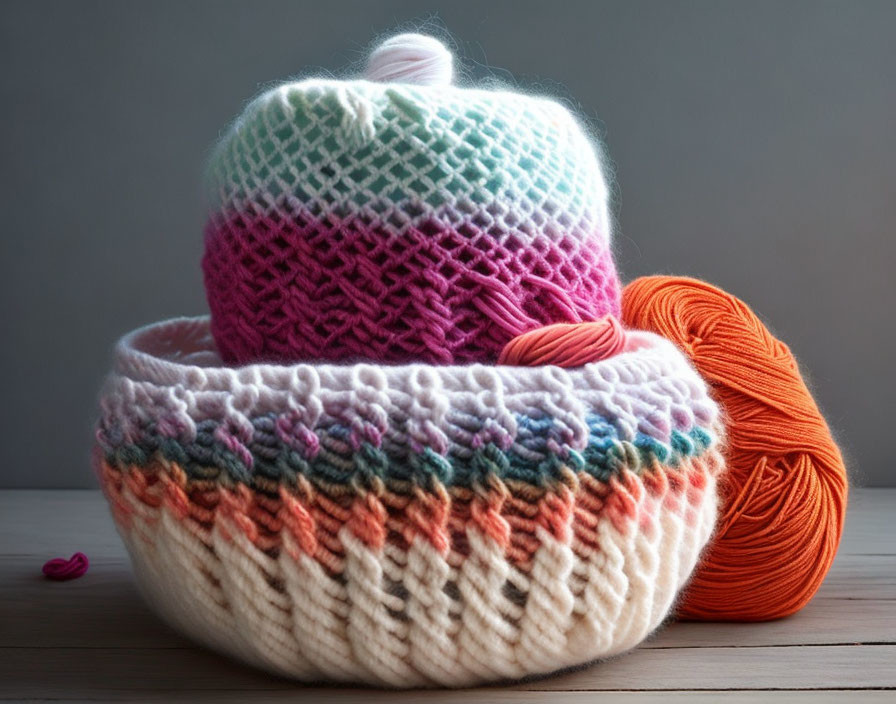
x: 565, y: 344
x: 785, y: 486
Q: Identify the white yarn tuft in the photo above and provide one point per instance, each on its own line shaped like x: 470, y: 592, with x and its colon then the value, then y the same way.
x: 411, y: 58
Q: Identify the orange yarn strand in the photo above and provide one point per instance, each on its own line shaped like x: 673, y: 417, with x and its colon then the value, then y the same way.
x: 785, y: 488
x: 565, y: 344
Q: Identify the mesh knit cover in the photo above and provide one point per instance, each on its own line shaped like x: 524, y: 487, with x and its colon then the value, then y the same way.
x: 393, y: 222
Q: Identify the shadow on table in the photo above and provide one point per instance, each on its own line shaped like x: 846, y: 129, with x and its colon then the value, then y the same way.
x: 95, y: 638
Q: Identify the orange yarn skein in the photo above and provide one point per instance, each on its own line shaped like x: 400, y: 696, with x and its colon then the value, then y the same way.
x: 784, y: 491
x: 785, y: 488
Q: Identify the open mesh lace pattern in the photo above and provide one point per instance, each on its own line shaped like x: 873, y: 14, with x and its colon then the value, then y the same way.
x: 393, y: 223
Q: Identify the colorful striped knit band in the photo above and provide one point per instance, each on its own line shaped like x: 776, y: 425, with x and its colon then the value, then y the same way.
x: 408, y: 525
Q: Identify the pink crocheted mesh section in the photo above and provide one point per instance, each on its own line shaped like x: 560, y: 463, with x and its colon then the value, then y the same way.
x: 303, y: 289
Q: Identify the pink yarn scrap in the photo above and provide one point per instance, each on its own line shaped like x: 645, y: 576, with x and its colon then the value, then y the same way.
x: 60, y: 569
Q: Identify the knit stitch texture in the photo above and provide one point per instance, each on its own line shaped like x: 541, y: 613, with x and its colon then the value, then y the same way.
x: 408, y: 525
x: 389, y: 222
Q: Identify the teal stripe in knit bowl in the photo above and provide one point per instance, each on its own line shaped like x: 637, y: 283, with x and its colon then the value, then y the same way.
x: 538, y: 457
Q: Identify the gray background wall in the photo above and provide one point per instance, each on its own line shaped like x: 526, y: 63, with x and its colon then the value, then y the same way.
x: 754, y: 145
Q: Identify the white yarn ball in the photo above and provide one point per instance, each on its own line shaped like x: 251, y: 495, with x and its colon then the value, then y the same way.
x: 411, y: 58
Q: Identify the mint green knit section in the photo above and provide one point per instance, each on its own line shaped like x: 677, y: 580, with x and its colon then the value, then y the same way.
x: 402, y: 152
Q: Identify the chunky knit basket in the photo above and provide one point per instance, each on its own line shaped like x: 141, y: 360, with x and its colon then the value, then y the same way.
x: 408, y: 525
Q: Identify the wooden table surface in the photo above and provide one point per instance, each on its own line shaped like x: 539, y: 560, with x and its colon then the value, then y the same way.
x: 92, y: 639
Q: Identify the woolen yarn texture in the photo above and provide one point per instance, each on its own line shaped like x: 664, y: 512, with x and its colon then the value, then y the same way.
x: 366, y: 465
x: 411, y: 525
x: 395, y: 222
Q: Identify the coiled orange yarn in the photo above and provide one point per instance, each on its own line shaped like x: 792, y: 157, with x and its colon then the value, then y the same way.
x: 565, y: 344
x: 785, y: 486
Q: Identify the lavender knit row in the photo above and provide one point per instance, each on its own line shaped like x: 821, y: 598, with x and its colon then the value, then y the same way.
x: 640, y: 404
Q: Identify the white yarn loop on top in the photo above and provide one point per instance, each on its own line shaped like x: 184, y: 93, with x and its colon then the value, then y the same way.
x: 411, y: 58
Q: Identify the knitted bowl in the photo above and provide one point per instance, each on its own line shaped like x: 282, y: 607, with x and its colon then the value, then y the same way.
x: 408, y: 525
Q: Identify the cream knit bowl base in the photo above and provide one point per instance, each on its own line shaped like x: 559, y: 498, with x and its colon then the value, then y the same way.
x: 408, y: 525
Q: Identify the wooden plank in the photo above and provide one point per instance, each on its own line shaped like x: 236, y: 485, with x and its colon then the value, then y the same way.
x: 796, y: 667
x: 822, y: 622
x: 861, y: 577
x: 104, y: 608
x: 63, y: 671
x: 857, y: 603
x: 852, y: 605
x: 496, y: 695
x: 93, y: 638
